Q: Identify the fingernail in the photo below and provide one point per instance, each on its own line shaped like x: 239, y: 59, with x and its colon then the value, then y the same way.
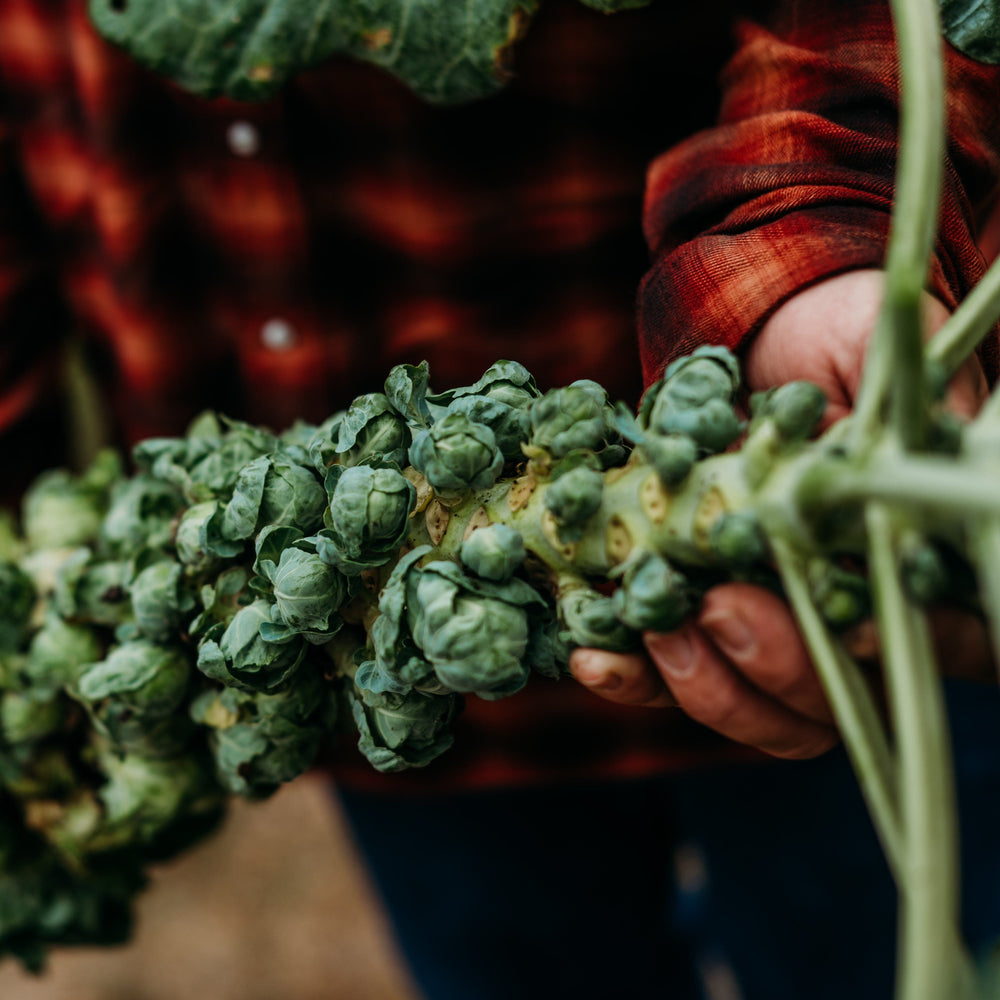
x: 673, y: 653
x: 730, y: 632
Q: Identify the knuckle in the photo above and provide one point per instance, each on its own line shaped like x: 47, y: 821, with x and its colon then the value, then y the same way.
x: 641, y: 690
x: 719, y: 707
x: 796, y: 686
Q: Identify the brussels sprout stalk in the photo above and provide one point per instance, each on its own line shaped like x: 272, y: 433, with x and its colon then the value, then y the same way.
x: 247, y: 595
x: 857, y: 715
x: 965, y: 329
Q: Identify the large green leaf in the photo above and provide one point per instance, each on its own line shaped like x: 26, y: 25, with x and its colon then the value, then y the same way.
x: 445, y: 50
x: 973, y: 27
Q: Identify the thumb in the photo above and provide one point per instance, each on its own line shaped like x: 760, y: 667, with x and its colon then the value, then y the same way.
x: 822, y: 335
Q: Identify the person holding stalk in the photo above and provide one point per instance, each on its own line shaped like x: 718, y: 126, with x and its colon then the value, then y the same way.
x: 270, y: 260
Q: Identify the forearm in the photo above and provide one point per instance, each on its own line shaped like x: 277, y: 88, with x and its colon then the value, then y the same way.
x: 795, y: 183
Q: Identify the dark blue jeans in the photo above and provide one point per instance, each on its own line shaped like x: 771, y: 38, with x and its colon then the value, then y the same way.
x: 769, y: 873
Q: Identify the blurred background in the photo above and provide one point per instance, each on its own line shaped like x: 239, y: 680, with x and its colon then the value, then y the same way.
x: 275, y: 905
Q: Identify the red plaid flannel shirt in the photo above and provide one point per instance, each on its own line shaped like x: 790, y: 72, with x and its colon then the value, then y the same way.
x: 274, y: 260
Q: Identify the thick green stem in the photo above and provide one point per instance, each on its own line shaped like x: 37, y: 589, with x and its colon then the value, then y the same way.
x: 930, y: 955
x: 940, y: 486
x: 973, y: 320
x: 893, y: 387
x: 861, y: 725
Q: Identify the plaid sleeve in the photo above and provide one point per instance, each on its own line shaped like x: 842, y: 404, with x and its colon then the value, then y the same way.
x: 795, y: 183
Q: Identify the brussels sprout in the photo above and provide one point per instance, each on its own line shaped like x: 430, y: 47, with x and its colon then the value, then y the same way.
x: 43, y: 901
x: 495, y: 552
x: 511, y: 426
x: 91, y: 591
x: 60, y: 510
x: 399, y: 665
x: 924, y: 571
x: 505, y: 381
x: 841, y: 596
x: 189, y: 539
x: 322, y: 444
x: 307, y: 594
x: 133, y: 694
x: 548, y: 649
x: 573, y: 499
x: 159, y: 804
x: 153, y: 805
x: 27, y: 715
x: 58, y: 652
x: 591, y: 619
x: 213, y: 453
x: 400, y: 731
x: 472, y: 632
x: 694, y: 398
x: 653, y: 595
x: 406, y: 389
x: 17, y: 598
x: 710, y: 371
x: 713, y: 426
x: 56, y: 516
x: 392, y: 600
x: 260, y: 740
x: 367, y: 517
x: 372, y: 431
x: 237, y: 654
x: 457, y: 454
x: 796, y: 408
x: 159, y: 600
x: 150, y: 678
x: 671, y: 455
x: 475, y: 643
x: 141, y: 513
x: 253, y: 763
x: 269, y: 491
x: 292, y: 495
x: 167, y: 458
x: 203, y: 464
x: 737, y: 538
x: 221, y: 600
x: 405, y: 670
x: 576, y: 417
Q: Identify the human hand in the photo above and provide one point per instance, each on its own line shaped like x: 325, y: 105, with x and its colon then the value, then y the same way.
x: 740, y: 666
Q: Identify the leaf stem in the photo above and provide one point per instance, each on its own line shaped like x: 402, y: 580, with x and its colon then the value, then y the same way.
x: 937, y: 485
x: 893, y: 387
x: 965, y: 329
x: 858, y: 719
x: 930, y: 954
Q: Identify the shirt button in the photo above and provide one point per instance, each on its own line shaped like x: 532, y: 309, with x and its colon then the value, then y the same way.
x: 243, y: 138
x: 277, y: 335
